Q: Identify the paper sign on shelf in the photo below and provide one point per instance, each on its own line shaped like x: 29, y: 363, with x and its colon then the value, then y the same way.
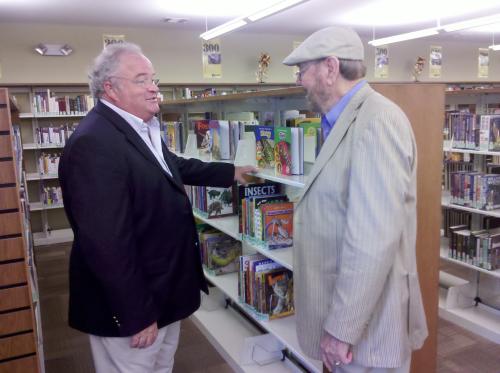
x: 435, y: 61
x: 112, y: 39
x: 381, y: 62
x: 483, y: 62
x: 212, y: 59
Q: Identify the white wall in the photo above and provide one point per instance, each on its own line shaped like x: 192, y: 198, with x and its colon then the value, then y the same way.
x: 177, y: 55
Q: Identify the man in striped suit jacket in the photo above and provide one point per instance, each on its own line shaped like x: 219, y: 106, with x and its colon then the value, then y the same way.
x: 358, y: 301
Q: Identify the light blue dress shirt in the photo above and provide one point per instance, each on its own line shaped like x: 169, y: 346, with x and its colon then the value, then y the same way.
x: 328, y: 120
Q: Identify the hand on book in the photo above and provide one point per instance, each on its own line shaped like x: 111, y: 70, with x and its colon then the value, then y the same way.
x: 334, y: 352
x: 145, y: 338
x: 240, y: 173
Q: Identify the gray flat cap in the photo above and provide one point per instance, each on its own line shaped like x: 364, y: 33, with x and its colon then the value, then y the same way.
x: 341, y: 42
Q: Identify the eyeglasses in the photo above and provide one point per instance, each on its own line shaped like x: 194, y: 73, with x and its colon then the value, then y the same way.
x: 141, y: 82
x: 303, y: 67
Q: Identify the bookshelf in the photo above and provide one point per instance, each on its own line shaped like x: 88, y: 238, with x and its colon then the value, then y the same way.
x: 39, y: 111
x: 482, y: 318
x: 21, y: 348
x: 423, y: 103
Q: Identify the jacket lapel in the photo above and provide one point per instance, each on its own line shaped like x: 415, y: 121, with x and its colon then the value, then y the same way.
x: 132, y: 137
x: 346, y: 118
x: 171, y: 166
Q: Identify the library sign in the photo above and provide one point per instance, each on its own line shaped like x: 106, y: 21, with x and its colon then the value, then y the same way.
x: 112, y: 39
x: 212, y: 59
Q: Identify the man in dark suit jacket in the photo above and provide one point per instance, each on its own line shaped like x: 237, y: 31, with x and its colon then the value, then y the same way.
x: 135, y: 268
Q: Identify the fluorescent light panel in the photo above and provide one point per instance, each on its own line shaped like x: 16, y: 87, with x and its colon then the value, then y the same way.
x: 254, y: 16
x: 222, y: 29
x: 406, y: 36
x: 471, y: 23
x: 273, y: 9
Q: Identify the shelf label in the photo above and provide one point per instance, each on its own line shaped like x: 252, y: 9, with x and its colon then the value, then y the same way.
x: 483, y: 62
x: 435, y: 61
x: 112, y: 39
x: 382, y: 62
x: 212, y: 59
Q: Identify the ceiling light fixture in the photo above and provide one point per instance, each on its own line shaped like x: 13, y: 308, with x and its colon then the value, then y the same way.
x: 282, y: 5
x: 467, y: 24
x: 406, y: 36
x: 471, y: 23
x: 252, y: 17
x: 53, y: 49
x: 66, y: 50
x: 495, y: 47
x: 224, y: 28
x: 41, y: 49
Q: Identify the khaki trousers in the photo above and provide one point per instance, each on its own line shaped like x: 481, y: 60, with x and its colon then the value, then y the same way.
x: 114, y: 354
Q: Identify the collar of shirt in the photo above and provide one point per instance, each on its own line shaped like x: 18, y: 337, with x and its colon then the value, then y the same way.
x: 148, y: 131
x: 328, y: 120
x: 137, y: 123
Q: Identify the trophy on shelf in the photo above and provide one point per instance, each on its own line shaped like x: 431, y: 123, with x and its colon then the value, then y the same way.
x: 264, y: 62
x: 418, y: 67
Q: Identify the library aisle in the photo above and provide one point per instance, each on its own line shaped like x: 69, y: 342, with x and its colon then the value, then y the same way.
x: 67, y: 350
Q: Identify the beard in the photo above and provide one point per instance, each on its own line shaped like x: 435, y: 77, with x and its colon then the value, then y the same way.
x: 317, y: 96
x: 312, y: 102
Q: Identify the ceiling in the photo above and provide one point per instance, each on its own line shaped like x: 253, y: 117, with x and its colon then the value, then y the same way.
x: 382, y: 17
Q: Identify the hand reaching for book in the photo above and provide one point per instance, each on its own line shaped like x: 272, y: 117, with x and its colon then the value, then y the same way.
x: 240, y: 173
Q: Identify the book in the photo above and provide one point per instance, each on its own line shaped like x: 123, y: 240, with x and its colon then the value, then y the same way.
x: 283, y: 150
x: 277, y: 221
x: 201, y: 130
x: 220, y: 139
x: 312, y: 140
x: 222, y: 253
x: 278, y: 293
x: 220, y: 201
x: 289, y: 150
x: 264, y: 142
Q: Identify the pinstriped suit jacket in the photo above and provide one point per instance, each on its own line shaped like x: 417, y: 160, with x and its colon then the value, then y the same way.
x: 355, y: 231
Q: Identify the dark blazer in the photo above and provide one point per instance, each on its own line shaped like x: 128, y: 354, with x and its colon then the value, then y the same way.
x: 135, y: 256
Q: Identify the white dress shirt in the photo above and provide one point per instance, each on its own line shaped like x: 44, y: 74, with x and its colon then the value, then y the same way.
x: 148, y: 131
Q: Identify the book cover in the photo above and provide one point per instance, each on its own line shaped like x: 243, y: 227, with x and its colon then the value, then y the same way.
x: 278, y: 224
x: 283, y: 150
x: 494, y: 132
x: 279, y: 293
x: 220, y: 146
x: 264, y: 142
x: 312, y: 146
x: 220, y: 201
x: 222, y: 254
x: 201, y: 129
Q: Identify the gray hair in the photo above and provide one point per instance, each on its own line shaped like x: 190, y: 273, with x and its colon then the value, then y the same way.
x: 106, y: 64
x: 352, y: 69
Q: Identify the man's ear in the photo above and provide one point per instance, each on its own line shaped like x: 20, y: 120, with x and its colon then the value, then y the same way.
x: 332, y: 64
x: 110, y: 90
x: 332, y: 69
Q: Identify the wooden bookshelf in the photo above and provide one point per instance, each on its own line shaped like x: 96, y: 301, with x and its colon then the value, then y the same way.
x: 18, y: 331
